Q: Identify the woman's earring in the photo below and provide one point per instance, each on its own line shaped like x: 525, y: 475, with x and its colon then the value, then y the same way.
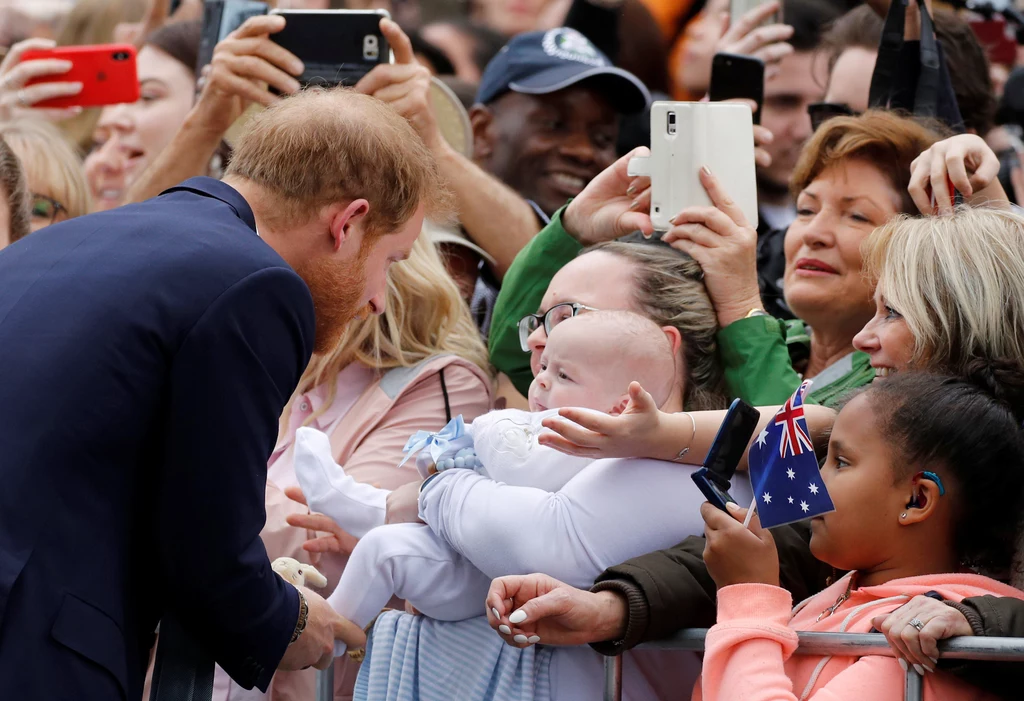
x: 903, y: 515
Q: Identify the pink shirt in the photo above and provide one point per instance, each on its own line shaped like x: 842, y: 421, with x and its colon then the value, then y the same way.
x: 369, y: 443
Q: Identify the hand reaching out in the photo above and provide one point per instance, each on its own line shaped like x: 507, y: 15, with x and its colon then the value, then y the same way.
x: 735, y: 554
x: 17, y: 98
x: 334, y: 540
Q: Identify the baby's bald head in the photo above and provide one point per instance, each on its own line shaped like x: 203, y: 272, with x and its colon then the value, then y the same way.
x: 590, y: 360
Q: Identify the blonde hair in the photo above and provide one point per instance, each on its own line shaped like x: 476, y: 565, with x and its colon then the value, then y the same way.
x: 885, y: 139
x: 319, y: 147
x: 424, y: 316
x: 671, y: 292
x: 50, y: 162
x: 958, y: 281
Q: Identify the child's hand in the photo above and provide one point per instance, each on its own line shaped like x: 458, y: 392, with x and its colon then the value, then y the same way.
x: 737, y: 555
x: 592, y: 434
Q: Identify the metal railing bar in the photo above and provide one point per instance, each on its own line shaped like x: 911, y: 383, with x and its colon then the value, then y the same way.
x: 837, y: 644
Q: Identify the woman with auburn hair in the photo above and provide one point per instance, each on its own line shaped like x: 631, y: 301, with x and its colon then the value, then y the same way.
x: 852, y: 177
x: 56, y: 180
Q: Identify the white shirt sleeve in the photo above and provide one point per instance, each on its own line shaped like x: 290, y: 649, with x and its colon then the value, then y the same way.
x: 610, y: 512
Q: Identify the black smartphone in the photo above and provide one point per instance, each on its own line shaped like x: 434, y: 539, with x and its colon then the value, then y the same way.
x: 726, y: 452
x: 734, y: 76
x: 338, y: 47
x: 220, y: 18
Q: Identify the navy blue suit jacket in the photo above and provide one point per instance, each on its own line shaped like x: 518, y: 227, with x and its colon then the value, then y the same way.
x: 146, y: 354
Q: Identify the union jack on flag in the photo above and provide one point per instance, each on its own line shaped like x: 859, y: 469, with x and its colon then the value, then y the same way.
x: 784, y: 470
x: 794, y: 432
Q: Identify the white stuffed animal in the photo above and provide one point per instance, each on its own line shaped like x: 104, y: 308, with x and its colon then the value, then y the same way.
x: 298, y: 574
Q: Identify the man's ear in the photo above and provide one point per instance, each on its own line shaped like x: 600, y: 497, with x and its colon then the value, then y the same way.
x: 481, y: 118
x: 346, y: 223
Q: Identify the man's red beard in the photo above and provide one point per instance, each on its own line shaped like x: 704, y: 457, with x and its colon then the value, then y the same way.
x: 337, y: 289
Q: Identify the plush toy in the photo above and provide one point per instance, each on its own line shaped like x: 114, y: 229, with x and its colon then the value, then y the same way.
x: 298, y: 574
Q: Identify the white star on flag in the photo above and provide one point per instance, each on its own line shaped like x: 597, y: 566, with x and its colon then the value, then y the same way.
x: 762, y: 437
x: 767, y: 498
x: 790, y: 500
x: 804, y: 506
x: 790, y: 474
x: 814, y: 488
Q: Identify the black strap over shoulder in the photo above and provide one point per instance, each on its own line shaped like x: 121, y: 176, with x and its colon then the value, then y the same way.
x: 447, y: 403
x: 890, y: 66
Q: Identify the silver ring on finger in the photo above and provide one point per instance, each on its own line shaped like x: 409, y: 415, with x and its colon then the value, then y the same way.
x: 22, y: 100
x: 916, y: 622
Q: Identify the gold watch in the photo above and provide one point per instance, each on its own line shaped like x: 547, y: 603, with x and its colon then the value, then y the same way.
x: 300, y: 625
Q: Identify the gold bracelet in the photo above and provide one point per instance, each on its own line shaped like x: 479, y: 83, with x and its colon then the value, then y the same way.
x: 684, y: 451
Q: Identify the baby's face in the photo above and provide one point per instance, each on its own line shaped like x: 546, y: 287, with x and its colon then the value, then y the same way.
x: 573, y: 373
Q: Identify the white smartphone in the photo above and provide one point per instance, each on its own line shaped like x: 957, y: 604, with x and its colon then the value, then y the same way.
x: 738, y: 8
x: 685, y: 136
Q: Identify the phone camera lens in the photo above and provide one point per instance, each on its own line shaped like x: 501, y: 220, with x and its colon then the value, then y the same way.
x: 121, y: 56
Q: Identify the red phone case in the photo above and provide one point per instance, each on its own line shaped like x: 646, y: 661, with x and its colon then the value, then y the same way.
x: 107, y: 72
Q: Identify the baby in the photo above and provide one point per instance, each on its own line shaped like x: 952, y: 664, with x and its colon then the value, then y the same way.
x: 589, y: 362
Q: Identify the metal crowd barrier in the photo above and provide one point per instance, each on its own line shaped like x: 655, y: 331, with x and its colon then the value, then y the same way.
x: 837, y: 644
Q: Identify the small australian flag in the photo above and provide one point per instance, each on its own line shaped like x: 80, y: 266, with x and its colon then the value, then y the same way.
x: 783, y: 469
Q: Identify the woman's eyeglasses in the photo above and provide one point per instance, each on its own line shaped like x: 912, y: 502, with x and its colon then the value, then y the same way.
x: 821, y: 112
x: 551, y: 318
x: 46, y: 208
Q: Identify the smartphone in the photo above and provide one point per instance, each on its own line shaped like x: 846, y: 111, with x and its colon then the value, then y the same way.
x: 107, y: 72
x: 726, y: 452
x: 734, y: 76
x: 220, y: 18
x: 686, y: 136
x: 338, y: 47
x: 738, y: 8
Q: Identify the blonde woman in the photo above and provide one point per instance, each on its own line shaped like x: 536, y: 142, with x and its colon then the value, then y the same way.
x: 409, y: 369
x: 56, y: 180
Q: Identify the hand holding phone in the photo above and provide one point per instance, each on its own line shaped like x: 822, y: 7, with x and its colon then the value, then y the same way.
x: 726, y: 452
x: 16, y: 74
x: 106, y: 73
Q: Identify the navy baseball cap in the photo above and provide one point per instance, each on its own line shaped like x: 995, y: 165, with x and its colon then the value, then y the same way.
x: 540, y: 63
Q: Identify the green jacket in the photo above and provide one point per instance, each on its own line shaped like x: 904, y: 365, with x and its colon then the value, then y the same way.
x: 521, y: 293
x: 757, y: 356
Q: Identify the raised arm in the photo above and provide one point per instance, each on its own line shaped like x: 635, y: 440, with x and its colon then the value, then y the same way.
x: 243, y: 65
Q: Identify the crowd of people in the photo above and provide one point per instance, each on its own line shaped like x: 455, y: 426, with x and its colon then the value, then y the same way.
x: 420, y: 334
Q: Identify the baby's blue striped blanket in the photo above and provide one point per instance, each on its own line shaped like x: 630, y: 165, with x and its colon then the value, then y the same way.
x: 415, y: 658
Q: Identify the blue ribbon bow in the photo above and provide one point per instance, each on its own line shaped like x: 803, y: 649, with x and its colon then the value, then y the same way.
x: 435, y: 443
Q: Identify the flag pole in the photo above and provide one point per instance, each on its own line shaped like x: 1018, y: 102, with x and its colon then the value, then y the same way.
x: 750, y: 512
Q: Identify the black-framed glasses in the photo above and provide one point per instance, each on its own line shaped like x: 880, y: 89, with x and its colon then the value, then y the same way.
x: 46, y: 208
x: 821, y: 112
x: 551, y: 318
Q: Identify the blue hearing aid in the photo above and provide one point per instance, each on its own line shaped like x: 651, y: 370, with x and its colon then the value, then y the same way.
x: 915, y: 501
x: 937, y: 480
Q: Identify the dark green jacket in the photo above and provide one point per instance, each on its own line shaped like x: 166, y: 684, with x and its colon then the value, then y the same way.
x: 521, y: 293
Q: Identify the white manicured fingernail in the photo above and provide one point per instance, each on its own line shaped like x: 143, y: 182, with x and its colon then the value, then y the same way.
x: 496, y: 614
x: 521, y: 639
x: 517, y: 617
x: 534, y: 639
x: 935, y: 661
x: 903, y: 663
x: 919, y: 669
x: 505, y: 629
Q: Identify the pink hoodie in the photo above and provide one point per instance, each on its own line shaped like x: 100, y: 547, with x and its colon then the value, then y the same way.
x: 749, y: 653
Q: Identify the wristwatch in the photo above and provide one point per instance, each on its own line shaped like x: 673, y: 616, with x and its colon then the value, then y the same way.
x: 300, y: 625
